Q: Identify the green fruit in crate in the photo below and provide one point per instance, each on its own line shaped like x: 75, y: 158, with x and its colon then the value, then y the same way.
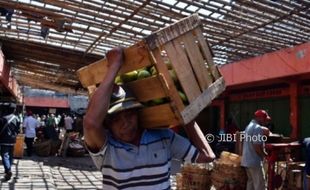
x: 143, y: 74
x: 118, y: 80
x: 173, y: 75
x: 144, y: 68
x: 153, y: 70
x: 183, y: 96
x: 168, y: 64
x: 158, y: 101
x: 131, y: 76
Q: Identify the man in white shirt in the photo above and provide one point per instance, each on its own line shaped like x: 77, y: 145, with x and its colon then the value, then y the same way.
x: 68, y: 123
x: 30, y: 124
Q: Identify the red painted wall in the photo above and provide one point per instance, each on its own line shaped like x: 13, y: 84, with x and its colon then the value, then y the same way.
x: 8, y: 82
x: 267, y: 69
x: 15, y: 89
x: 46, y: 102
x: 259, y: 94
x: 282, y: 63
x: 4, y: 70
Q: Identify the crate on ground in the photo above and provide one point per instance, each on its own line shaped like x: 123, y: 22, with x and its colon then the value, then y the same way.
x: 194, y: 176
x: 19, y: 146
x: 180, y: 61
x: 227, y: 171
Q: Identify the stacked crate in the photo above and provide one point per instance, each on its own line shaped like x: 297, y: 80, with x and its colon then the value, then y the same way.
x: 227, y: 171
x: 194, y: 177
x: 184, y: 47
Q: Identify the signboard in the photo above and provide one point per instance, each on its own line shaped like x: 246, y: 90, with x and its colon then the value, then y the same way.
x: 52, y: 110
x: 259, y: 94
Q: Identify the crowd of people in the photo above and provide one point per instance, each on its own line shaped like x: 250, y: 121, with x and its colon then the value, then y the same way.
x: 39, y: 130
x: 48, y: 127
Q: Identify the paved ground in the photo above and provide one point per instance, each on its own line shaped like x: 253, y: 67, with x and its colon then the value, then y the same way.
x: 55, y: 173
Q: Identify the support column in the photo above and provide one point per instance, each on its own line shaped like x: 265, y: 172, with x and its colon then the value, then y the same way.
x: 222, y: 114
x: 294, y: 110
x: 221, y: 104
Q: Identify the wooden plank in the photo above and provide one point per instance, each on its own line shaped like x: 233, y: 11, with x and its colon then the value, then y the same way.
x: 196, y: 59
x: 192, y: 110
x: 207, y: 53
x: 173, y: 31
x: 183, y: 70
x: 147, y: 89
x: 167, y: 82
x: 136, y: 57
x: 158, y: 116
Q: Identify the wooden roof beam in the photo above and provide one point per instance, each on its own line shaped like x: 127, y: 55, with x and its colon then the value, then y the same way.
x: 48, y: 73
x: 45, y: 76
x: 119, y: 25
x: 28, y: 8
x: 264, y: 24
x: 49, y: 86
x: 46, y: 79
x: 43, y: 52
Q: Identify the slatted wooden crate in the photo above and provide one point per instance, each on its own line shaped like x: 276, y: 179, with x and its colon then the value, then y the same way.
x: 184, y: 45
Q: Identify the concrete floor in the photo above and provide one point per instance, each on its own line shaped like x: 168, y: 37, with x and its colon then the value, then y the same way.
x: 57, y: 173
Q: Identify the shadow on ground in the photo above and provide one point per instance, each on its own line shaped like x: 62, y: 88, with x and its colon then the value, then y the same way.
x: 53, y: 173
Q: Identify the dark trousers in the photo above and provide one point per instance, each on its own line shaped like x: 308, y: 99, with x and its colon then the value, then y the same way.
x: 7, y: 157
x: 29, y: 143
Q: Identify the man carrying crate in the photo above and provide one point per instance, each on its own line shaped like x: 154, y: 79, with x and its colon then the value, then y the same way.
x: 128, y: 156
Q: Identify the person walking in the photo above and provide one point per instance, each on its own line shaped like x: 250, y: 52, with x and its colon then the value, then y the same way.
x: 30, y: 124
x: 69, y: 123
x: 9, y: 129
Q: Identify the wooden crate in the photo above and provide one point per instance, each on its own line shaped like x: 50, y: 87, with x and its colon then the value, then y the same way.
x: 19, y: 146
x: 183, y: 44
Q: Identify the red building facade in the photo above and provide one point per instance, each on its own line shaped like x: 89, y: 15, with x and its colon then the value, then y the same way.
x: 278, y: 82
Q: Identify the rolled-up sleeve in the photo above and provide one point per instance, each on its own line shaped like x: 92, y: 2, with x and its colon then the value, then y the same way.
x: 98, y: 157
x: 182, y: 149
x: 257, y: 137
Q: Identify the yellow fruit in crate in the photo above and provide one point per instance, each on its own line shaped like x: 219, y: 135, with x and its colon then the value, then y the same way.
x: 153, y: 70
x: 183, y: 96
x: 118, y: 80
x: 143, y: 74
x: 130, y: 76
x: 173, y: 75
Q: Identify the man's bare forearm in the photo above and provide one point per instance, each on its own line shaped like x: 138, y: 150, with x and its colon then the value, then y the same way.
x: 100, y: 101
x: 259, y: 149
x: 93, y: 123
x: 199, y: 141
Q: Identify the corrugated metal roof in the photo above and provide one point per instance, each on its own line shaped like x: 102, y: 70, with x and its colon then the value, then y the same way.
x: 235, y: 30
